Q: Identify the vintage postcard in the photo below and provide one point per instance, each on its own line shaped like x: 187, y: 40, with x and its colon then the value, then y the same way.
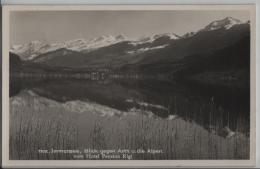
x: 129, y: 86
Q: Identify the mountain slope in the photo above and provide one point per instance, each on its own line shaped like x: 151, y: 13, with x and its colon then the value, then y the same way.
x: 204, y: 42
x: 61, y: 58
x: 30, y: 50
x: 115, y: 55
x: 35, y: 48
x: 160, y: 55
x: 15, y: 62
x: 218, y: 45
x: 225, y: 23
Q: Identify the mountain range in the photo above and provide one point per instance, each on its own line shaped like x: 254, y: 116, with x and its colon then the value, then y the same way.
x: 221, y: 45
x: 35, y: 48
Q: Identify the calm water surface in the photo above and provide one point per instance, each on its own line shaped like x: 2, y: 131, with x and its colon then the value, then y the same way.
x: 207, y: 106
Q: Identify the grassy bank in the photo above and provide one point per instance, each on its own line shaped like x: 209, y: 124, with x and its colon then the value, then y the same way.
x: 39, y: 123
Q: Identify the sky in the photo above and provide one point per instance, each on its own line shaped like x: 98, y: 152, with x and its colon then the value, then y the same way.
x: 59, y: 26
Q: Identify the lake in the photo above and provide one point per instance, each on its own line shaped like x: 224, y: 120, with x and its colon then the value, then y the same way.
x: 177, y: 120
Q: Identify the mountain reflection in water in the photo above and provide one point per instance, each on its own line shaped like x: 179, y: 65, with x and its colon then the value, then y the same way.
x: 210, y: 107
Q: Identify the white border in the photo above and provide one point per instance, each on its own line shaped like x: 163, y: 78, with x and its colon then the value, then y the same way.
x: 80, y: 2
x: 120, y: 163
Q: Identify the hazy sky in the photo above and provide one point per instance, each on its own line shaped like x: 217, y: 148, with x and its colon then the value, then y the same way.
x: 58, y: 26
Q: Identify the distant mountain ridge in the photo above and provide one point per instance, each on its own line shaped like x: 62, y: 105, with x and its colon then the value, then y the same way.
x: 35, y: 48
x: 31, y: 50
x: 225, y: 23
x: 158, y: 54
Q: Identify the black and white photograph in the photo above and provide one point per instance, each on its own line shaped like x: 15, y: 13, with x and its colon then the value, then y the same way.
x: 130, y: 84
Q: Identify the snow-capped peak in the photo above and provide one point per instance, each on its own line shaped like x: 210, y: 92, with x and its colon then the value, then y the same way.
x: 169, y: 35
x: 76, y: 41
x: 16, y: 47
x: 30, y: 49
x: 152, y: 38
x: 189, y: 34
x: 76, y: 44
x: 121, y: 37
x: 36, y: 42
x: 105, y: 40
x: 225, y: 23
x: 102, y: 38
x: 34, y: 48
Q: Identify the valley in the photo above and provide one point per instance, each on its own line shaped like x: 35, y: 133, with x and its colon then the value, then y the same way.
x: 169, y: 96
